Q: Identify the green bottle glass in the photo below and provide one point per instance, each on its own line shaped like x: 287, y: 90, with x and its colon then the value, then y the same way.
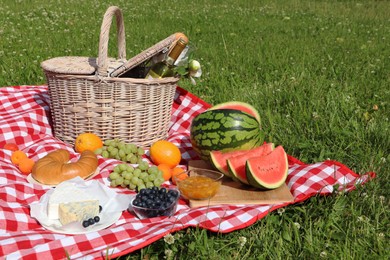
x: 165, y: 68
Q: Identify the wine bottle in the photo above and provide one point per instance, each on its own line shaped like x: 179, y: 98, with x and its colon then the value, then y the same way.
x: 165, y: 68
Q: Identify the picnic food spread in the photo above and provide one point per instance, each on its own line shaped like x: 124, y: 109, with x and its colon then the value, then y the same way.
x: 123, y: 231
x: 228, y: 135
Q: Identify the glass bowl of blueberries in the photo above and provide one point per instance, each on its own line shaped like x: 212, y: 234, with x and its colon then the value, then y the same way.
x: 154, y: 202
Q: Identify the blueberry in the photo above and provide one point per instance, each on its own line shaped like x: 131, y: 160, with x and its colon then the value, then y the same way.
x: 91, y: 221
x: 85, y: 223
x: 100, y: 208
x: 97, y: 219
x: 163, y: 190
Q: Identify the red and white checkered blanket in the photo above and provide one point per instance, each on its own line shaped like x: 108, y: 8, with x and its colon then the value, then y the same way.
x: 24, y: 119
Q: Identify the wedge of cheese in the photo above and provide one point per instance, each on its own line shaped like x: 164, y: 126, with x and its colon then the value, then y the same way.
x: 66, y: 192
x: 78, y: 211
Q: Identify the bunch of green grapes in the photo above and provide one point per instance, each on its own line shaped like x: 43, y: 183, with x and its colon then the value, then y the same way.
x: 125, y: 152
x: 136, y: 178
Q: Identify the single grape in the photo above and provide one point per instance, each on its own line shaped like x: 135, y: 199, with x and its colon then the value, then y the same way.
x: 133, y: 159
x: 122, y: 153
x: 153, y: 169
x: 143, y: 175
x: 123, y: 167
x: 114, y: 152
x: 127, y: 149
x: 121, y: 145
x: 113, y: 183
x: 114, y: 175
x: 140, y: 151
x: 142, y: 186
x: 157, y: 182
x: 117, y: 169
x: 105, y: 154
x: 119, y: 180
x: 98, y: 151
x: 137, y: 172
x: 134, y: 180
x: 108, y: 142
x: 133, y: 148
x: 139, y: 160
x: 127, y: 175
x: 132, y: 186
x: 128, y: 157
x: 129, y: 168
x: 143, y: 165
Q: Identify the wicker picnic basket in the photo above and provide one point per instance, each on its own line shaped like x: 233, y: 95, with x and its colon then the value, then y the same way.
x: 99, y: 96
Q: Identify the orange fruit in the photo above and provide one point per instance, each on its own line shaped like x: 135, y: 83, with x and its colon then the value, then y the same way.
x: 26, y: 165
x: 176, y: 173
x: 11, y: 147
x: 87, y: 141
x: 17, y: 156
x: 167, y: 171
x: 165, y: 152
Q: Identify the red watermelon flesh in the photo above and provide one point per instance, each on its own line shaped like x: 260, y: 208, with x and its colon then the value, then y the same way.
x: 219, y: 160
x: 237, y: 164
x: 268, y: 172
x: 238, y: 105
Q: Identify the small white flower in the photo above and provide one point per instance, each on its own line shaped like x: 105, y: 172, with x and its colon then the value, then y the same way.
x: 323, y: 254
x: 381, y: 235
x: 169, y: 239
x: 297, y: 225
x: 382, y: 198
x: 168, y: 253
x: 242, y: 241
x: 281, y: 211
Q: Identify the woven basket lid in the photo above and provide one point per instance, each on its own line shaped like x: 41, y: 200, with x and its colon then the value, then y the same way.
x: 145, y: 55
x: 75, y: 65
x: 71, y: 65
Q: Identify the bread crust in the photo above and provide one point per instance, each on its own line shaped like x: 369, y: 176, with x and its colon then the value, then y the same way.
x: 55, y: 167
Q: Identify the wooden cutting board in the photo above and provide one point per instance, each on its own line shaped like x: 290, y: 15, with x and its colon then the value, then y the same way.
x: 232, y: 192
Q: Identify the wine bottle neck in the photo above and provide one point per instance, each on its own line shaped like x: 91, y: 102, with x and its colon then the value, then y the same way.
x: 176, y: 51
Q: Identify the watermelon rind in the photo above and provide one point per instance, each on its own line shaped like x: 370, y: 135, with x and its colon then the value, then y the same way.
x: 237, y: 165
x: 224, y: 130
x: 275, y: 163
x: 238, y: 105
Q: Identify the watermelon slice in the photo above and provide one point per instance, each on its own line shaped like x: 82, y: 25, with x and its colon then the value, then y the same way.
x: 219, y: 159
x: 268, y: 172
x: 238, y: 105
x: 237, y: 165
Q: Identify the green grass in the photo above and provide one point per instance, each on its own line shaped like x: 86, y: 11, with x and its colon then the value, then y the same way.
x: 315, y: 70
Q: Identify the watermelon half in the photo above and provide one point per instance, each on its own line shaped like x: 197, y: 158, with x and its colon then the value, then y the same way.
x: 268, y: 172
x: 238, y: 105
x: 237, y: 165
x: 224, y: 130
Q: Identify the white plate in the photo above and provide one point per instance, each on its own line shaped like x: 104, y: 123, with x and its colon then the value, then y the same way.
x: 31, y: 180
x: 105, y: 221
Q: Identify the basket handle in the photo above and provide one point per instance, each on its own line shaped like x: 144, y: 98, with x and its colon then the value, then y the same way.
x: 104, y: 36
